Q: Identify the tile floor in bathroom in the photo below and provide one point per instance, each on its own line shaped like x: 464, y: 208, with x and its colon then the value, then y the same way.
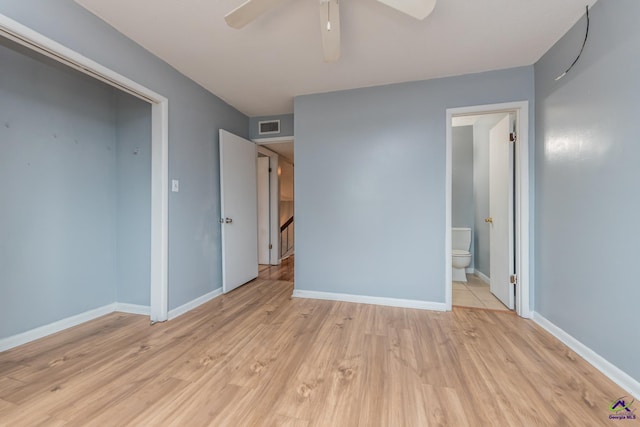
x: 475, y: 293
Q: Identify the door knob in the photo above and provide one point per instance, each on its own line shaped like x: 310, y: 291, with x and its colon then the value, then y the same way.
x: 228, y: 220
x: 489, y: 220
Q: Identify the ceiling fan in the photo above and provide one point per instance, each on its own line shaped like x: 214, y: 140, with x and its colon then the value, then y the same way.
x: 329, y: 18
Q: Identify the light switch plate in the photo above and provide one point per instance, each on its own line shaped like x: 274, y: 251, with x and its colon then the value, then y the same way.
x: 175, y: 185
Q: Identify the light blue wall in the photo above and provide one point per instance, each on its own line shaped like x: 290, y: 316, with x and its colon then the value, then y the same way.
x: 462, y: 203
x: 587, y: 184
x: 286, y: 126
x: 58, y: 226
x: 370, y: 182
x: 195, y: 116
x: 133, y: 198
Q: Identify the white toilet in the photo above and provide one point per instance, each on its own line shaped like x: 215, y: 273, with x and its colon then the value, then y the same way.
x: 460, y: 245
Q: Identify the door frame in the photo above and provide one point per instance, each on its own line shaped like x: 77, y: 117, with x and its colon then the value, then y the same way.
x: 274, y: 203
x: 274, y: 194
x: 25, y: 36
x: 264, y: 209
x: 522, y: 198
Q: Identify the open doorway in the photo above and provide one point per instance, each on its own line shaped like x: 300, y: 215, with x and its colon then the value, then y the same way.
x: 281, y: 155
x: 250, y: 210
x: 487, y: 235
x: 482, y: 210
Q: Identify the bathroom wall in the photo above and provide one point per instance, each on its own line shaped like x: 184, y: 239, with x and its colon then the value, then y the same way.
x: 462, y: 203
x: 587, y: 178
x: 481, y: 196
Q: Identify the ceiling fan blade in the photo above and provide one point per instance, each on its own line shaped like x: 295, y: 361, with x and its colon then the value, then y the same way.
x: 248, y: 11
x: 330, y: 29
x: 419, y: 9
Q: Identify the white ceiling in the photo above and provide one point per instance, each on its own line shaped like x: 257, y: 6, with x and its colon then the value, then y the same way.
x: 487, y: 119
x: 283, y: 148
x: 260, y: 68
x: 463, y: 121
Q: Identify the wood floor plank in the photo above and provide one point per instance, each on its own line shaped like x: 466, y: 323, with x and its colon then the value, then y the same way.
x: 257, y: 357
x: 305, y: 323
x: 284, y: 421
x: 5, y: 407
x: 374, y: 390
x: 310, y: 382
x: 443, y: 407
x: 339, y: 348
x: 406, y: 402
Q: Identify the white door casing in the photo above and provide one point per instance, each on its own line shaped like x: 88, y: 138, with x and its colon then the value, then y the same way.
x: 263, y: 210
x: 274, y: 202
x: 239, y: 210
x: 523, y: 227
x: 501, y: 212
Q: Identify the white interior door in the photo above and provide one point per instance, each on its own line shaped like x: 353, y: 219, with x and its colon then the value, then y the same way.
x: 501, y: 263
x: 239, y: 210
x: 263, y: 210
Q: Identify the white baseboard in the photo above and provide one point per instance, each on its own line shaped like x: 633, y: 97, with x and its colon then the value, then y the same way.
x: 132, y: 308
x: 614, y: 373
x: 60, y: 325
x: 52, y: 328
x: 391, y: 302
x: 469, y: 270
x: 482, y: 277
x: 178, y: 311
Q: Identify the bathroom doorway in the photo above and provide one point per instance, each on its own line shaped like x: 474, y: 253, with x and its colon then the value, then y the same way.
x: 482, y: 169
x: 487, y: 207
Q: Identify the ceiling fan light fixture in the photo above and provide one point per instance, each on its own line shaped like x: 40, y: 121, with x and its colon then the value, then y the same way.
x: 329, y: 18
x: 330, y: 29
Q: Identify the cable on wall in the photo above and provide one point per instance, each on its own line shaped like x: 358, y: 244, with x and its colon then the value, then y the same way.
x: 586, y: 36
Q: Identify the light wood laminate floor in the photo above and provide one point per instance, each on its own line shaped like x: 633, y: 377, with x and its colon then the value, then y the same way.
x: 256, y: 357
